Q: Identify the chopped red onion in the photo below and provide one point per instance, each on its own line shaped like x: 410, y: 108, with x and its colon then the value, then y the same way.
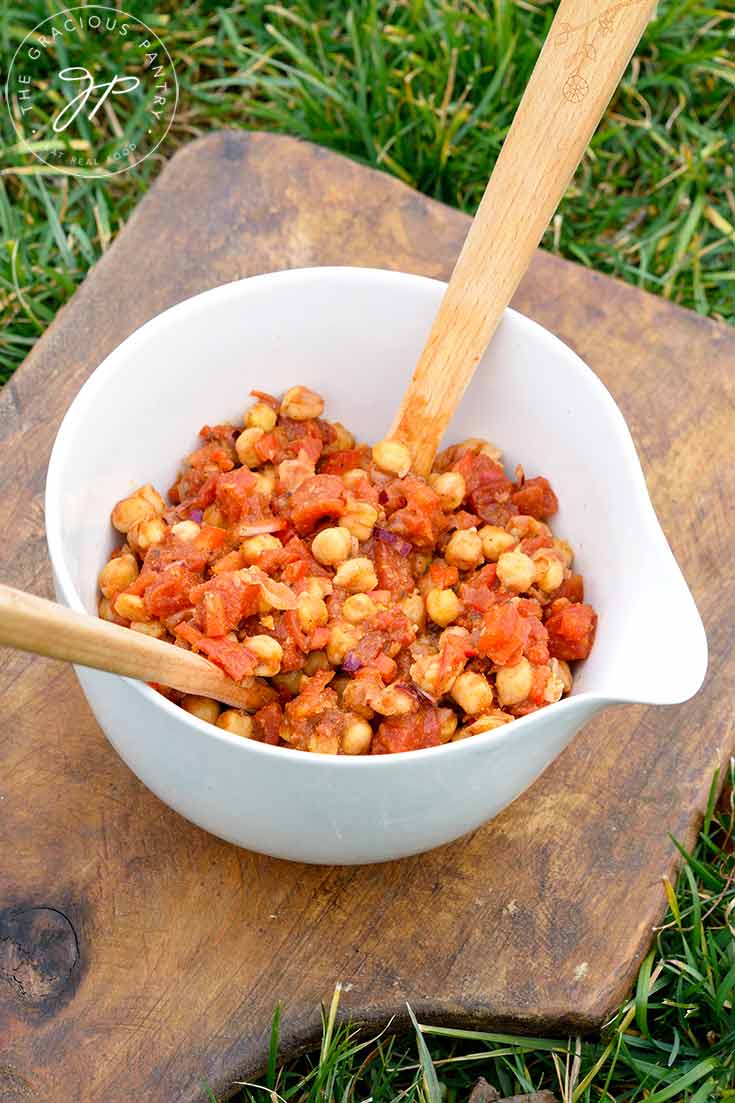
x: 260, y: 527
x: 402, y: 546
x: 196, y: 515
x: 417, y: 692
x: 351, y: 663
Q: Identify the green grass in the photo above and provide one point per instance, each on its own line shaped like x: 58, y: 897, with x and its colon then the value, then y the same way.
x: 423, y: 89
x: 673, y: 1040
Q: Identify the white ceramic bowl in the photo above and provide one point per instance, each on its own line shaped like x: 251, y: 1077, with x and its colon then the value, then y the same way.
x: 354, y: 335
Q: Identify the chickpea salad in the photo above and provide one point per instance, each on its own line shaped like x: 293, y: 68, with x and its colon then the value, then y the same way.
x: 365, y: 609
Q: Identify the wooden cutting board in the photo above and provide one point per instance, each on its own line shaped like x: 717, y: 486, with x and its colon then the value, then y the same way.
x: 140, y: 957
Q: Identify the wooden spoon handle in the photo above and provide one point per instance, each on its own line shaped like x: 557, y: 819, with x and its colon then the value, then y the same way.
x: 588, y: 47
x: 30, y: 623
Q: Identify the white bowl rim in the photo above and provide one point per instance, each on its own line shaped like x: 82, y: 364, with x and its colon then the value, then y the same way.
x: 115, y: 361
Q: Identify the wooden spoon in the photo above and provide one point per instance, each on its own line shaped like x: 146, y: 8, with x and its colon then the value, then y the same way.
x: 583, y: 58
x: 588, y: 47
x: 31, y: 623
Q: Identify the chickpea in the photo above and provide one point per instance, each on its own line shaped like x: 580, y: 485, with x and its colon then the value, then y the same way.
x: 447, y: 724
x: 354, y: 478
x: 488, y: 723
x: 560, y: 681
x: 315, y: 660
x: 129, y: 511
x: 301, y: 404
x: 152, y: 628
x: 151, y: 495
x: 318, y: 586
x: 343, y: 440
x: 513, y: 683
x: 261, y: 416
x: 186, y: 531
x: 359, y: 519
x: 359, y: 607
x: 464, y: 549
x: 253, y: 547
x: 356, y: 575
x: 516, y: 571
x: 357, y: 736
x: 473, y: 693
x: 443, y: 606
x: 214, y: 516
x: 265, y: 480
x: 523, y: 525
x: 105, y: 609
x: 495, y: 541
x: 480, y: 447
x: 311, y: 612
x: 323, y: 743
x: 392, y: 456
x: 202, y: 707
x: 451, y: 488
x: 425, y: 673
x: 332, y: 546
x: 235, y: 722
x: 245, y: 446
x: 290, y: 683
x: 269, y: 653
x: 564, y: 551
x: 549, y: 570
x: 394, y: 701
x: 342, y: 638
x: 413, y: 607
x: 453, y: 631
x: 118, y: 574
x: 131, y: 607
x: 144, y: 534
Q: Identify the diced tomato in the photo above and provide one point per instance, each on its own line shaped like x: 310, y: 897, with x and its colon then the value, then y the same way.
x: 235, y: 659
x: 572, y: 631
x: 534, y: 543
x: 571, y: 588
x: 503, y: 636
x: 422, y: 520
x: 209, y: 539
x: 232, y: 561
x: 408, y: 733
x: 396, y: 625
x: 320, y: 497
x: 464, y: 520
x: 453, y: 654
x: 223, y: 602
x: 393, y: 570
x: 339, y: 462
x: 443, y: 575
x: 319, y: 639
x: 536, y: 498
x: 267, y: 724
x: 195, y: 490
x: 236, y: 494
x: 271, y: 447
x: 487, y: 484
x: 536, y: 647
x: 540, y: 677
x: 385, y: 666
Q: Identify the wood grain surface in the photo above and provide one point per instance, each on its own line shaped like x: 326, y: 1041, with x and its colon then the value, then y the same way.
x: 140, y: 957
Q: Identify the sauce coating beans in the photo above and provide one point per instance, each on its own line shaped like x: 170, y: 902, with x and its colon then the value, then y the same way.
x: 367, y: 610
